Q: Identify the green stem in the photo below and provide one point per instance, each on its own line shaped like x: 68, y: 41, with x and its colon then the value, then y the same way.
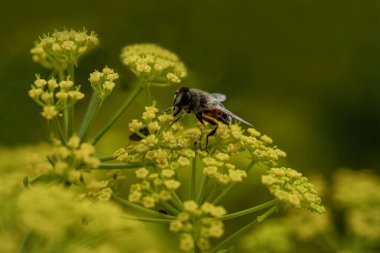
x: 142, y: 209
x: 71, y: 112
x: 268, y: 213
x: 92, y: 110
x: 200, y: 187
x: 249, y: 210
x: 177, y: 200
x: 203, y: 189
x: 222, y: 194
x: 213, y: 192
x: 244, y: 229
x: 193, y: 178
x: 118, y: 114
x: 228, y: 188
x: 59, y: 130
x: 70, y: 109
x: 66, y: 122
x: 70, y: 71
x: 146, y: 219
x: 119, y: 166
x: 107, y: 158
x: 170, y: 208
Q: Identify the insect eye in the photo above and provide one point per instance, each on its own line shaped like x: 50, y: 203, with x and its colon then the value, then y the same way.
x: 186, y: 98
x: 177, y: 99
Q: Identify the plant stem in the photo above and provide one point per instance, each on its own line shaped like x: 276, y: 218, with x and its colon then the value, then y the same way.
x: 249, y: 210
x: 66, y: 122
x: 59, y: 130
x: 222, y: 194
x: 146, y: 219
x: 177, y: 200
x: 203, y: 189
x: 71, y: 112
x: 92, y: 110
x: 107, y: 158
x: 70, y: 109
x: 268, y: 213
x: 244, y: 229
x: 200, y: 187
x: 193, y: 178
x: 118, y: 114
x: 119, y: 165
x: 142, y: 209
x: 170, y: 208
x: 214, y: 191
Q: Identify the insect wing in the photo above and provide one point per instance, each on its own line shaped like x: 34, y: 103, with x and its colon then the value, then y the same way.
x: 219, y: 97
x: 221, y: 108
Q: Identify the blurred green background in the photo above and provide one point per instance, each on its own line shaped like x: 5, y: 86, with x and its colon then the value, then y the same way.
x: 305, y: 72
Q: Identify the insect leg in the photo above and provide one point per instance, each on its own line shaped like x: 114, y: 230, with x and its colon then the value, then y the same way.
x: 213, y: 131
x: 179, y: 109
x: 178, y: 118
x: 168, y: 109
x: 199, y: 117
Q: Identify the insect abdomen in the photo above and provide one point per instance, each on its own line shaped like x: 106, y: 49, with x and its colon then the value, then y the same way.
x: 219, y: 115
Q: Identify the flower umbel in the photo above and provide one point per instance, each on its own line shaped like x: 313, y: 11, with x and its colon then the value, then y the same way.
x: 103, y: 82
x: 67, y: 160
x: 292, y: 189
x: 62, y: 48
x: 54, y: 96
x: 153, y: 64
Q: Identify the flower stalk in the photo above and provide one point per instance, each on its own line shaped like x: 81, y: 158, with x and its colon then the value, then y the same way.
x: 146, y: 219
x: 250, y: 210
x: 132, y: 96
x: 91, y: 112
x: 141, y: 209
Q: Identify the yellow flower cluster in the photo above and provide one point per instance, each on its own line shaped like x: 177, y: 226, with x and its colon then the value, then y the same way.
x: 63, y: 48
x: 99, y: 190
x: 103, y: 82
x: 217, y: 167
x: 162, y: 154
x: 171, y: 148
x: 54, y: 96
x: 162, y: 150
x: 202, y: 220
x: 154, y: 187
x: 153, y: 64
x: 67, y: 213
x: 259, y: 146
x: 66, y: 160
x: 292, y: 189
